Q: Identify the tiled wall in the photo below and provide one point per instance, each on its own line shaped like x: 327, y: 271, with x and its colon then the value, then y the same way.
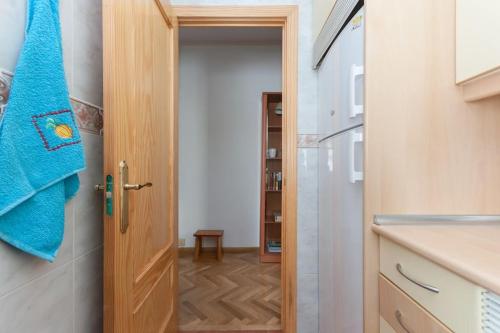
x: 65, y: 296
x: 307, y: 226
x: 307, y: 232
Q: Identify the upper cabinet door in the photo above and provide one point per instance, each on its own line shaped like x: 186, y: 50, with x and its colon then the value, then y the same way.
x: 478, y: 45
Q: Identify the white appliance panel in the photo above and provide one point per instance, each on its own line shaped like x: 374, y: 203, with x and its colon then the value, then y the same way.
x: 340, y: 93
x: 328, y: 83
x: 341, y: 233
x: 341, y: 80
x: 351, y: 42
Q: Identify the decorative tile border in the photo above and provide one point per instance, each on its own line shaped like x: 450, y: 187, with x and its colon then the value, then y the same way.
x: 307, y: 141
x: 88, y: 116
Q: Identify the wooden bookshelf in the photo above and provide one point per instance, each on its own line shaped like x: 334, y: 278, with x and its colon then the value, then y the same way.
x: 271, y: 178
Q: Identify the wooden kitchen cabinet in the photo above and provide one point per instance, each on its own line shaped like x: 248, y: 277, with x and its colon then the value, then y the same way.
x: 456, y: 302
x: 478, y: 48
x: 403, y: 314
x: 427, y: 151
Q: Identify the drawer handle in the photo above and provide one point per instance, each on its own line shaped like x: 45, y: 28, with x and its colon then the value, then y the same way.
x: 399, y: 318
x: 420, y: 284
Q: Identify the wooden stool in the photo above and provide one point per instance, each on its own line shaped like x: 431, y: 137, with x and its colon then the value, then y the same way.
x: 218, y: 234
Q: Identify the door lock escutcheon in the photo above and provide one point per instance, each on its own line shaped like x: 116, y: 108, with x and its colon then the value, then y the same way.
x: 125, y: 187
x: 99, y: 187
x: 108, y: 190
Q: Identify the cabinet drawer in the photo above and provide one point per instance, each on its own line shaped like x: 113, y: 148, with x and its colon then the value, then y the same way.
x: 403, y: 314
x: 456, y: 302
x: 385, y: 327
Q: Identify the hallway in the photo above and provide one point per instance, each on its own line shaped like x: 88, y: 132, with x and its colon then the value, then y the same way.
x: 238, y: 294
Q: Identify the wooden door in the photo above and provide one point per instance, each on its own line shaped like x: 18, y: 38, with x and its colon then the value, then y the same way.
x: 140, y: 128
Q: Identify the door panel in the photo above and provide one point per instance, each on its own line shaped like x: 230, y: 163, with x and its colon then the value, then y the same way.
x: 151, y: 124
x: 140, y: 127
x: 147, y: 318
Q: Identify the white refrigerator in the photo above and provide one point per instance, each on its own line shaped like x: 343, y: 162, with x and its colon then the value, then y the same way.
x: 340, y: 93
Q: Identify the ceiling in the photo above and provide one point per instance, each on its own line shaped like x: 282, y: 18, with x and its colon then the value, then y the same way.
x: 229, y: 35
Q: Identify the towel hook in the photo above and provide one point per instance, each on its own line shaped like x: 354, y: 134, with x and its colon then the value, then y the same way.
x: 5, y: 79
x: 4, y: 88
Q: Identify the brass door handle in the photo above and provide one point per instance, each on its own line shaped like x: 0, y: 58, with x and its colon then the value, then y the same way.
x: 124, y: 188
x: 136, y: 187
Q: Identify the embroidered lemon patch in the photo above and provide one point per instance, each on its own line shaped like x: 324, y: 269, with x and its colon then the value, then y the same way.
x: 62, y: 130
x: 57, y: 129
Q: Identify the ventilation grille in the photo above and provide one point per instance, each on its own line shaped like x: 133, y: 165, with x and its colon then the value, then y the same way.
x: 333, y: 25
x: 491, y: 312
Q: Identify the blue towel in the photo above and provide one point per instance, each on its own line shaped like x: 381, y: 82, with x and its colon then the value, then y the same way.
x: 40, y: 146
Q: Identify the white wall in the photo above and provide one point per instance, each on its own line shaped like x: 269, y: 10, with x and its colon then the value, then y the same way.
x: 220, y: 128
x: 193, y: 137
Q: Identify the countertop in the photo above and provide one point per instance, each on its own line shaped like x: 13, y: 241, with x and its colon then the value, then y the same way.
x: 470, y: 250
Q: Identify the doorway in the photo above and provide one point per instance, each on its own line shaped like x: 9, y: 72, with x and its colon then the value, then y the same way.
x: 140, y: 44
x: 225, y: 131
x: 282, y: 18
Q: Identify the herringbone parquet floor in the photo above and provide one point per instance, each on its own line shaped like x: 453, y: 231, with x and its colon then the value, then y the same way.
x: 237, y: 294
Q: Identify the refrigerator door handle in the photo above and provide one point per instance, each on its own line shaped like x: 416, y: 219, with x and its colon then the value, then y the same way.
x: 355, y: 109
x: 354, y: 176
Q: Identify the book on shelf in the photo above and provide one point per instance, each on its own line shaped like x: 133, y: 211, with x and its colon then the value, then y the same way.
x: 277, y: 216
x: 274, y: 246
x: 274, y: 180
x: 274, y: 243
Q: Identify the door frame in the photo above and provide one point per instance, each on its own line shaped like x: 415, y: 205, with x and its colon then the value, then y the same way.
x: 286, y: 17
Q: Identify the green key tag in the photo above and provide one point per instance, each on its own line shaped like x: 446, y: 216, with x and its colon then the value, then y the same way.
x: 109, y: 195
